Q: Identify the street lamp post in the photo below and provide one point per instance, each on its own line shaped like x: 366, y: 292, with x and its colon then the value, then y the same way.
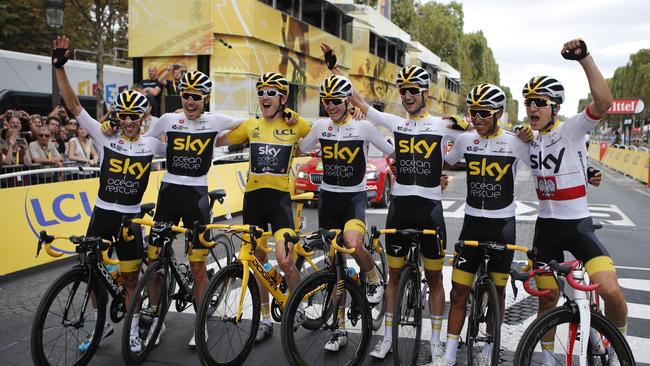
x: 54, y: 18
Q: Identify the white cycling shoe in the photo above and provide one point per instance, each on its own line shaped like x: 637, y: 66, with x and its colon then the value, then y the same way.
x: 383, y: 347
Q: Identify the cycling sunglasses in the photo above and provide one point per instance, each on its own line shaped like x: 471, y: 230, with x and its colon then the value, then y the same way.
x: 538, y: 102
x: 123, y: 116
x: 270, y: 92
x: 194, y: 97
x: 333, y: 101
x: 412, y: 91
x: 481, y: 113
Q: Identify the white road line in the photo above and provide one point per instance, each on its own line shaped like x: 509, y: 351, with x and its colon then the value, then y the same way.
x: 634, y: 268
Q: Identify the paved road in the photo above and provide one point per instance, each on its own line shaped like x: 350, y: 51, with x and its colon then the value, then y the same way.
x: 621, y: 203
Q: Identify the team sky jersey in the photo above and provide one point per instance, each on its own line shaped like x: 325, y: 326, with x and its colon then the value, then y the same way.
x: 125, y: 166
x: 272, y: 146
x: 491, y: 170
x: 190, y: 144
x: 418, y: 152
x: 558, y: 160
x: 344, y: 149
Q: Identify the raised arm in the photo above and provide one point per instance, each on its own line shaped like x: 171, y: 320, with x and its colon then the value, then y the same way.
x: 59, y: 58
x: 330, y: 60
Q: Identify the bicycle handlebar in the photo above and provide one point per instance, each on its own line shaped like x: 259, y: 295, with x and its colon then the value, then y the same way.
x: 46, y: 239
x: 295, y: 239
x: 566, y: 269
x: 331, y: 236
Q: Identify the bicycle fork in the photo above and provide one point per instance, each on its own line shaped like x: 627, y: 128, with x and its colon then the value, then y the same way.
x: 584, y: 310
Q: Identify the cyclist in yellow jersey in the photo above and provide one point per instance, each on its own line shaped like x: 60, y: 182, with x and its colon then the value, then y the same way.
x: 273, y: 143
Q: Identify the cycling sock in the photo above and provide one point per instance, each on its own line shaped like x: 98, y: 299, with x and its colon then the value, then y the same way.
x: 135, y: 325
x: 373, y: 276
x: 388, y: 328
x: 451, y: 347
x: 548, y: 358
x: 623, y: 330
x: 341, y: 316
x: 266, y: 313
x: 436, y: 324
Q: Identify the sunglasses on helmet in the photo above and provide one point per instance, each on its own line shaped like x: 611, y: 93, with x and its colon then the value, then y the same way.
x: 538, y: 102
x: 123, y: 116
x: 481, y: 113
x: 195, y: 97
x: 410, y: 90
x: 270, y: 92
x: 333, y: 101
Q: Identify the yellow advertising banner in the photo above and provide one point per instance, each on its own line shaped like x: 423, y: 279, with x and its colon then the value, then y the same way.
x: 65, y: 208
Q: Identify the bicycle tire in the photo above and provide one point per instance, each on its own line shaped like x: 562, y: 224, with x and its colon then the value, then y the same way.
x: 141, y: 294
x: 291, y: 332
x: 408, y: 312
x: 219, y: 307
x: 38, y: 340
x: 484, y: 308
x: 379, y: 311
x: 561, y: 315
x: 220, y: 255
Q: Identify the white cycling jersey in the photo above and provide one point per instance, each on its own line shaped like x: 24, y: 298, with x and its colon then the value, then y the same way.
x: 491, y: 169
x: 419, y: 149
x: 125, y: 166
x: 344, y: 148
x: 558, y: 159
x: 190, y: 144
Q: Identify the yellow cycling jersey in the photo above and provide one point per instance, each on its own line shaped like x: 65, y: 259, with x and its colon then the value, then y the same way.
x: 272, y: 146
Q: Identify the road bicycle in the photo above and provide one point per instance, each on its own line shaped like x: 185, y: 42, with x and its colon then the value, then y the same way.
x: 228, y: 316
x: 63, y: 319
x: 484, y: 315
x: 602, y: 344
x: 326, y: 305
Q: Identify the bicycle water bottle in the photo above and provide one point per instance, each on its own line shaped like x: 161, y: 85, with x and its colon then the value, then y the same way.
x: 273, y: 273
x: 114, y: 273
x: 352, y: 272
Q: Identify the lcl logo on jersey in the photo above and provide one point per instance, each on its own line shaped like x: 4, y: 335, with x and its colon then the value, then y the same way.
x: 284, y: 134
x: 125, y: 166
x: 344, y: 153
x: 187, y: 143
x: 548, y: 161
x: 484, y: 168
x: 421, y: 147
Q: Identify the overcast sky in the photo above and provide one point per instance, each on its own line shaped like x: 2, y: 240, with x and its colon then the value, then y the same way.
x: 526, y: 38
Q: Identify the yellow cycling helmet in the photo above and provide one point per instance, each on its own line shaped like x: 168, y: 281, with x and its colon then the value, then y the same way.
x: 273, y: 80
x: 195, y: 80
x: 131, y: 101
x: 544, y: 85
x: 413, y: 74
x: 486, y: 96
x: 336, y: 86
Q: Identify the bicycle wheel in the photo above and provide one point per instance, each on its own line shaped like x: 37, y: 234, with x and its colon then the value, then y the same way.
x: 484, y: 324
x: 407, y: 318
x: 220, y: 338
x: 378, y: 311
x: 349, y: 324
x: 63, y: 320
x: 151, y: 302
x: 561, y: 319
x: 220, y: 255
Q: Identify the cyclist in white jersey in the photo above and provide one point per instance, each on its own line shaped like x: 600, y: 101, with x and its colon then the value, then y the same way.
x: 125, y: 164
x: 342, y: 197
x: 558, y: 162
x: 191, y: 137
x: 419, y: 141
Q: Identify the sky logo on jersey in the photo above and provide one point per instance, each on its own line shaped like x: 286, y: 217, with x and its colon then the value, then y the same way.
x: 410, y: 146
x: 269, y: 150
x: 484, y: 168
x: 125, y: 166
x: 547, y: 162
x: 344, y: 153
x: 187, y: 143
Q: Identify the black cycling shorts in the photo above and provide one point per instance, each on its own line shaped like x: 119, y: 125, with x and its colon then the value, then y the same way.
x: 554, y: 236
x: 189, y: 203
x: 106, y: 224
x: 415, y: 212
x: 502, y: 230
x: 269, y: 206
x: 342, y: 210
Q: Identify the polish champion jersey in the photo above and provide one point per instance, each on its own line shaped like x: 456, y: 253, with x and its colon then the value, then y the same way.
x: 558, y: 160
x: 190, y: 144
x: 419, y: 149
x: 344, y: 148
x: 491, y: 169
x: 125, y: 166
x: 272, y: 147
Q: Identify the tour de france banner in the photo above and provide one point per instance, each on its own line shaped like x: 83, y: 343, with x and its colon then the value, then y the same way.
x: 65, y: 208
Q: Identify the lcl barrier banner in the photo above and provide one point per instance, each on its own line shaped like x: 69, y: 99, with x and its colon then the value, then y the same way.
x: 629, y: 162
x: 65, y: 208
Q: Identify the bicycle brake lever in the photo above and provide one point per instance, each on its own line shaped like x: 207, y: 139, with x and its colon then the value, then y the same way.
x: 514, y: 287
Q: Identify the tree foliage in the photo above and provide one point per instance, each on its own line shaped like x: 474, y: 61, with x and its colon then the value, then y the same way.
x: 439, y: 28
x: 403, y: 14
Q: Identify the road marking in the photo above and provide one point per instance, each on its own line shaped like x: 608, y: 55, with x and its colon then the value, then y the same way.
x: 634, y: 268
x: 634, y: 284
